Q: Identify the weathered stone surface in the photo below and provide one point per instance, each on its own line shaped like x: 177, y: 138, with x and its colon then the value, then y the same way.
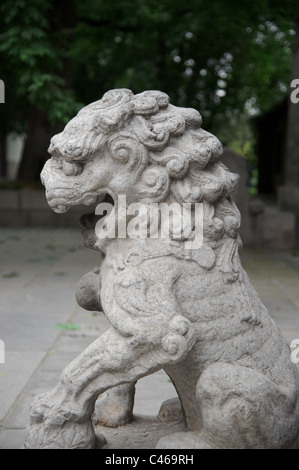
x: 143, y: 432
x: 171, y: 410
x: 115, y: 406
x: 172, y: 303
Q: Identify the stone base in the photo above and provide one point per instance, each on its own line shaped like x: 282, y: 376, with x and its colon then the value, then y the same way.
x: 166, y: 431
x: 146, y: 432
x: 143, y: 432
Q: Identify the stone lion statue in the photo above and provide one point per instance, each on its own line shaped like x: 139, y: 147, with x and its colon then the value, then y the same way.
x: 190, y: 311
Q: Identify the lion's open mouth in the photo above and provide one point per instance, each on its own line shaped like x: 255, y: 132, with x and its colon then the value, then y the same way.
x: 88, y: 221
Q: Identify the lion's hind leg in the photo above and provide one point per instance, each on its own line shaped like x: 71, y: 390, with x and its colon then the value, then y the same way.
x: 242, y: 408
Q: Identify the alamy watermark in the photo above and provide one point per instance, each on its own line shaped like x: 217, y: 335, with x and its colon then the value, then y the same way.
x: 295, y: 351
x: 2, y: 352
x: 2, y: 91
x: 295, y: 93
x: 179, y: 222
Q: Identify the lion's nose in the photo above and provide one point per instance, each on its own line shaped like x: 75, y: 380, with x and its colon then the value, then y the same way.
x: 51, y: 146
x: 54, y: 144
x: 44, y: 172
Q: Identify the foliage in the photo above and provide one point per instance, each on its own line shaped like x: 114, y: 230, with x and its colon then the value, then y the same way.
x: 227, y: 59
x: 32, y: 55
x: 215, y: 58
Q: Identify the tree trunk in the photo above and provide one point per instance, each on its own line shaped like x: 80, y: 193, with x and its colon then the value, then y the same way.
x: 37, y: 142
x: 288, y: 197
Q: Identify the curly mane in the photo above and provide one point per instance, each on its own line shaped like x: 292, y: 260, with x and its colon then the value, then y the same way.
x: 166, y: 148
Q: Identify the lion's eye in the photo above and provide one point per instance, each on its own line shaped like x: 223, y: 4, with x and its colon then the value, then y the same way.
x: 72, y: 169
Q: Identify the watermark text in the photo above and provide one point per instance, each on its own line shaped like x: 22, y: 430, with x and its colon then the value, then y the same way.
x: 2, y: 352
x: 295, y: 93
x: 2, y: 92
x: 179, y: 222
x: 295, y: 351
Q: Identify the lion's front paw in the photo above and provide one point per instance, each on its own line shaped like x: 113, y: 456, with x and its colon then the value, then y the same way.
x: 51, y: 428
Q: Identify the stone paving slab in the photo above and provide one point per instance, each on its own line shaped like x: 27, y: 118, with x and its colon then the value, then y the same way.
x: 275, y: 276
x: 39, y: 270
x: 19, y: 366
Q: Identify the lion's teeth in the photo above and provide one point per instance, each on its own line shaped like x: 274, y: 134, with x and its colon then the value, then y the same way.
x: 60, y: 208
x: 89, y: 200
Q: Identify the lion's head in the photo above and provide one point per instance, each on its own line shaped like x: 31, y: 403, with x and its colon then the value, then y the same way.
x: 145, y: 148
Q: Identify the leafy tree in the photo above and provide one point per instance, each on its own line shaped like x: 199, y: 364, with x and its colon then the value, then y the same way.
x: 227, y: 59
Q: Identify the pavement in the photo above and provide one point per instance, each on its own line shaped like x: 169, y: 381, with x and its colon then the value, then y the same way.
x: 43, y: 328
